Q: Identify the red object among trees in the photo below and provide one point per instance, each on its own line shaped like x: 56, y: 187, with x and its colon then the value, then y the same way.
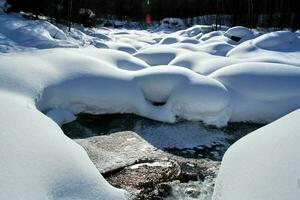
x: 148, y: 19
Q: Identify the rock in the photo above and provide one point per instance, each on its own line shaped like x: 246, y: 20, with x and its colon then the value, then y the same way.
x: 127, y: 161
x: 193, y: 192
x: 111, y: 152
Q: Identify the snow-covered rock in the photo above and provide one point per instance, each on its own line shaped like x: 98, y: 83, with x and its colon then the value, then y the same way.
x: 282, y: 46
x: 239, y: 34
x: 264, y: 164
x: 261, y: 92
x: 159, y: 54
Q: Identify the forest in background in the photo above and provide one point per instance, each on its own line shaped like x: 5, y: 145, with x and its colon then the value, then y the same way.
x: 274, y: 13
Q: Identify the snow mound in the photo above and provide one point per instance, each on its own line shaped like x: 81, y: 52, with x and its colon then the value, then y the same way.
x: 276, y: 40
x: 39, y: 162
x: 185, y: 94
x: 239, y: 34
x: 135, y: 42
x: 186, y: 46
x: 159, y: 54
x: 113, y: 58
x: 210, y: 35
x: 282, y: 46
x: 77, y: 81
x: 264, y: 164
x: 216, y: 48
x: 169, y: 40
x: 202, y: 62
x: 196, y: 30
x: 121, y: 47
x: 190, y: 41
x: 19, y: 33
x: 257, y: 88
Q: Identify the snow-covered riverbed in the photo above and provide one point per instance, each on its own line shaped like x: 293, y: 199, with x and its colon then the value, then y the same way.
x: 49, y: 75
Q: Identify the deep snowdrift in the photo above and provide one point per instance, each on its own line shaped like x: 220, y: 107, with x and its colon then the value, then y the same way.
x: 74, y: 80
x: 264, y: 164
x: 39, y: 162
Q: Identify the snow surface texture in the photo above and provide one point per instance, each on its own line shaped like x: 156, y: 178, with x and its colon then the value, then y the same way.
x: 190, y: 74
x: 273, y: 173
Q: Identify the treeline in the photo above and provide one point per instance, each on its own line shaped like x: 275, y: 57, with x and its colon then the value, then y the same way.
x: 274, y: 13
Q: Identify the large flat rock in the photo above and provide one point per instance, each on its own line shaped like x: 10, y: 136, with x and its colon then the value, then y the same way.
x: 111, y: 152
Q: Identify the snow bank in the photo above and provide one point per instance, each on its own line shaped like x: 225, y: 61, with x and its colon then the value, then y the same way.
x: 81, y: 79
x: 257, y: 88
x: 264, y: 164
x: 18, y: 33
x: 282, y: 46
x: 39, y: 162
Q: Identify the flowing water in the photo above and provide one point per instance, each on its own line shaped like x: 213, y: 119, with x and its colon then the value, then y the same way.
x: 187, y: 140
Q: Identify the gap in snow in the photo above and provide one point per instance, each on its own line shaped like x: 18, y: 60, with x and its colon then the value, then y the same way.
x: 186, y: 139
x: 189, y: 140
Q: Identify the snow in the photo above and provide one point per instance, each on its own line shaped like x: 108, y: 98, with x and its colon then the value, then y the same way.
x: 171, y: 23
x: 48, y: 75
x: 202, y: 62
x: 257, y: 88
x: 19, y: 33
x: 210, y: 35
x: 159, y: 54
x: 240, y: 32
x: 39, y: 162
x: 282, y: 46
x: 121, y: 47
x: 180, y: 136
x: 196, y: 30
x: 263, y: 164
x: 169, y: 40
x: 82, y: 80
x: 114, y: 58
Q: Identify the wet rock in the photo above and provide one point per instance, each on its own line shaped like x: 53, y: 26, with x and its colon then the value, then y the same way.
x: 146, y: 180
x: 193, y: 192
x: 129, y: 162
x: 111, y: 152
